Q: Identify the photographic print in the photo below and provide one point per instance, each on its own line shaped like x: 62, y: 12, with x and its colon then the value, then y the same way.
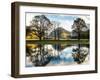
x: 52, y: 39
x: 56, y: 36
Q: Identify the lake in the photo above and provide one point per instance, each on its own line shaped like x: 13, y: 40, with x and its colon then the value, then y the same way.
x: 58, y: 55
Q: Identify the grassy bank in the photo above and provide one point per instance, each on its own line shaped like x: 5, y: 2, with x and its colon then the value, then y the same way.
x: 71, y: 41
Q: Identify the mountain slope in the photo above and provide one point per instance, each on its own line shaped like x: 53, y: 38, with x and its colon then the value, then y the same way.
x: 59, y: 33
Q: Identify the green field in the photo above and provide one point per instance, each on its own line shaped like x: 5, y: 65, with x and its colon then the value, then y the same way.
x: 72, y: 41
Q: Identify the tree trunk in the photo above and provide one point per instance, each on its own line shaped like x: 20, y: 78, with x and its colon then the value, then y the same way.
x: 40, y: 38
x: 79, y: 39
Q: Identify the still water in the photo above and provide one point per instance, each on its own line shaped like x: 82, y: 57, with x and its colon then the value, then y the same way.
x: 58, y: 54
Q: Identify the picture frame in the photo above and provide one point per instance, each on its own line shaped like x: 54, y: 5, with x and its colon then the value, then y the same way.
x: 25, y: 35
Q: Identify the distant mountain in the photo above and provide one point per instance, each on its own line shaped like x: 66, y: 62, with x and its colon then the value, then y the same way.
x: 59, y: 33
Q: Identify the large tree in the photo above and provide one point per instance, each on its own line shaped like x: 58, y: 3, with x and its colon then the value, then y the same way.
x: 77, y: 27
x: 39, y: 26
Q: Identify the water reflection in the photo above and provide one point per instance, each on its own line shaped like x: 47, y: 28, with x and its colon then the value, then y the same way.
x: 56, y: 54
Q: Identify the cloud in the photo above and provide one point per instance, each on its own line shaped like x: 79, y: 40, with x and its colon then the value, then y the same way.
x: 66, y: 21
x: 67, y: 25
x: 85, y: 18
x: 29, y: 17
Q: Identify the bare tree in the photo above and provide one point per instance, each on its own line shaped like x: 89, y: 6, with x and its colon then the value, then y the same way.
x: 39, y: 25
x: 56, y: 33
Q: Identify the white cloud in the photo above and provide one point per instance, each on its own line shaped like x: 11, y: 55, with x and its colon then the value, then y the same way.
x: 86, y: 18
x: 29, y: 17
x: 67, y: 25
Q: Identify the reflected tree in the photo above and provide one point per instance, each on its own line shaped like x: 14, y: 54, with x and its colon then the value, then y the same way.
x: 39, y: 56
x: 79, y: 54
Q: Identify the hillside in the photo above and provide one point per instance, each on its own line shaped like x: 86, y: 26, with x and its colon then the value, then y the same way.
x: 59, y: 33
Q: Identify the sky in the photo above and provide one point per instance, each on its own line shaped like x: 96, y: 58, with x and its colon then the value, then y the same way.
x: 65, y: 20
